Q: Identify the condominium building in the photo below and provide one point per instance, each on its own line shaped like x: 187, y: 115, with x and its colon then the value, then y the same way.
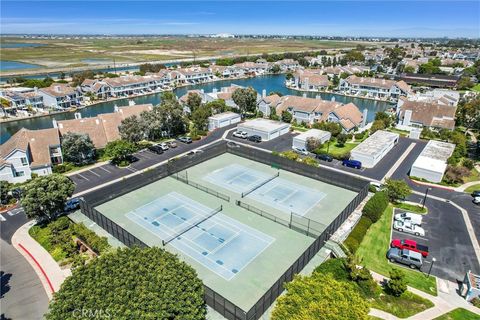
x: 61, y: 96
x: 374, y: 87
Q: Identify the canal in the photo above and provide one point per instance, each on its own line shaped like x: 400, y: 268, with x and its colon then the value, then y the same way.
x: 269, y: 83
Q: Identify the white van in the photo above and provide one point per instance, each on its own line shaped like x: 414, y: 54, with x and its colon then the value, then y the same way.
x: 409, y: 217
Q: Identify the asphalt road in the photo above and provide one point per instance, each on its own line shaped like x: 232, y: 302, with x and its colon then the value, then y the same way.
x: 23, y: 295
x: 94, y: 177
x: 448, y: 241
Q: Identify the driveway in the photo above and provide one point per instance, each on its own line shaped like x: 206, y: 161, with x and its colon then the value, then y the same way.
x: 448, y: 241
x: 23, y: 295
x: 97, y: 176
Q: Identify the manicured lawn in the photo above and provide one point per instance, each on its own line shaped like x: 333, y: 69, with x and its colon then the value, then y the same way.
x: 403, y: 133
x: 476, y: 88
x: 338, y: 152
x: 374, y: 248
x: 474, y: 176
x: 407, y: 305
x: 411, y: 208
x: 473, y: 188
x: 459, y: 314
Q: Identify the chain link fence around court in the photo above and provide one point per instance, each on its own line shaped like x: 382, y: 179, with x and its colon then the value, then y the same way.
x: 215, y: 300
x: 183, y: 177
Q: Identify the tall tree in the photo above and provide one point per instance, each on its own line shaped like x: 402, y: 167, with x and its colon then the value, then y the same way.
x: 78, y: 148
x: 119, y: 150
x: 193, y: 101
x: 200, y: 117
x: 46, y: 195
x: 397, y: 189
x: 136, y: 283
x: 132, y: 129
x: 245, y: 99
x: 320, y: 297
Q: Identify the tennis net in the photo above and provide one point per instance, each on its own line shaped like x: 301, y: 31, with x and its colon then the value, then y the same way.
x: 246, y: 193
x: 191, y: 226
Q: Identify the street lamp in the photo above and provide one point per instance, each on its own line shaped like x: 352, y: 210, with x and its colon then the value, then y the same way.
x: 328, y: 145
x: 425, y: 197
x: 431, y: 266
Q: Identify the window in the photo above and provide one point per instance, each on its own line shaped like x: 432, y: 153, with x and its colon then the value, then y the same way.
x: 24, y: 161
x: 19, y: 173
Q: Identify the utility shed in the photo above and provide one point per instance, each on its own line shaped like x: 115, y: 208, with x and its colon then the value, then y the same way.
x: 432, y: 162
x: 222, y: 120
x: 300, y: 141
x: 374, y: 148
x: 265, y: 128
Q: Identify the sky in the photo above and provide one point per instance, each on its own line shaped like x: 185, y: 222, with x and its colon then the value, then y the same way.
x: 385, y: 18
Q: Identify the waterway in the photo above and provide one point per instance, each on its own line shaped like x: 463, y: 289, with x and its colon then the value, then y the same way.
x: 12, y: 45
x: 6, y: 65
x: 269, y: 83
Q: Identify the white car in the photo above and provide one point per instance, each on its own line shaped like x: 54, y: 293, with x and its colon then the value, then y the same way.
x: 476, y: 200
x: 164, y: 146
x: 377, y: 186
x: 408, y: 228
x: 240, y: 134
x: 301, y: 151
x: 409, y: 217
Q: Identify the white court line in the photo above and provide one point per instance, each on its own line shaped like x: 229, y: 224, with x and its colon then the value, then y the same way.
x: 83, y: 176
x: 94, y: 173
x: 104, y: 169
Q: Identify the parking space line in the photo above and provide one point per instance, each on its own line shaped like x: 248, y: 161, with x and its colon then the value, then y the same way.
x: 2, y: 218
x: 94, y: 173
x: 80, y: 175
x: 104, y: 169
x: 131, y: 169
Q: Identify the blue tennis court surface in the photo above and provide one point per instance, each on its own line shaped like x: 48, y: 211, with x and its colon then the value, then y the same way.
x: 278, y: 193
x: 221, y: 244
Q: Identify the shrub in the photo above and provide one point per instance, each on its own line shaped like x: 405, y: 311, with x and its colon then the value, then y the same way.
x: 290, y: 155
x: 352, y: 244
x: 361, y: 228
x: 374, y: 207
x: 62, y: 168
x: 341, y: 139
x: 455, y: 175
x: 397, y: 285
x: 310, y: 161
x: 476, y: 302
x: 468, y: 163
x: 335, y: 267
x: 360, y: 135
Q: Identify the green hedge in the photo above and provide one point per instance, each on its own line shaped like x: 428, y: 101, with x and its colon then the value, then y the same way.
x: 356, y: 236
x: 374, y: 207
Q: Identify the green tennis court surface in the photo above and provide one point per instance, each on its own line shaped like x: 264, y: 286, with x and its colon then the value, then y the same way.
x: 235, y: 252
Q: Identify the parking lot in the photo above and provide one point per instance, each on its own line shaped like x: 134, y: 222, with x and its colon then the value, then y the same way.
x: 284, y: 143
x: 447, y: 239
x: 93, y: 177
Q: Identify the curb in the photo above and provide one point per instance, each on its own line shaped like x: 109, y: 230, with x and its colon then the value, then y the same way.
x: 432, y: 185
x: 39, y: 267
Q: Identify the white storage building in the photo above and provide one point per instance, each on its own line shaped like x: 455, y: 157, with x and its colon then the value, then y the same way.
x: 265, y: 128
x: 300, y: 141
x: 374, y: 148
x: 432, y: 162
x: 222, y: 120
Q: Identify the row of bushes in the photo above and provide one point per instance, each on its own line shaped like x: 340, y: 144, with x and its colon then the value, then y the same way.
x: 57, y: 237
x: 371, y: 213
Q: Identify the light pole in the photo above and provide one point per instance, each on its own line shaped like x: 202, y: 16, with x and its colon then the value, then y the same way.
x: 431, y: 266
x: 425, y: 197
x: 328, y: 145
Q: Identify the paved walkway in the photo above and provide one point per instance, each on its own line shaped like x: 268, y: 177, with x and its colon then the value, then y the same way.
x: 466, y: 185
x: 47, y: 269
x: 447, y: 300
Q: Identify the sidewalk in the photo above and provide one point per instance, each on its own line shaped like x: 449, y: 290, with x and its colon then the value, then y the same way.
x: 47, y: 269
x: 446, y: 301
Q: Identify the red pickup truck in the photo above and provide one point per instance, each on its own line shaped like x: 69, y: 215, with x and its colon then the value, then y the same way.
x: 410, y: 245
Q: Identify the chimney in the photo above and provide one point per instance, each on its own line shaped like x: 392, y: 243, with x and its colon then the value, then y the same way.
x: 317, y: 96
x: 78, y: 115
x: 304, y: 95
x: 54, y: 122
x: 264, y: 93
x: 57, y: 89
x: 35, y: 89
x: 131, y: 103
x: 115, y: 108
x: 364, y: 120
x: 333, y: 99
x: 202, y: 91
x: 97, y: 121
x: 214, y: 90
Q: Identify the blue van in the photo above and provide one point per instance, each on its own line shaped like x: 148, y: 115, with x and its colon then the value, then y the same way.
x: 352, y: 164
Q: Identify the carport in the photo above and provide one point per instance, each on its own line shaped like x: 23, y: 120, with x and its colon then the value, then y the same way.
x: 374, y: 148
x: 265, y: 128
x: 300, y: 141
x: 222, y: 120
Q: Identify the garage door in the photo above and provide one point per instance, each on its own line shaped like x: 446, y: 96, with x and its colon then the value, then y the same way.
x: 274, y: 134
x: 284, y: 130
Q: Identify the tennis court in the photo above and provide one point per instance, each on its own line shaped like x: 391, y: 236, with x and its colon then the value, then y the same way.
x: 266, y: 188
x: 221, y: 244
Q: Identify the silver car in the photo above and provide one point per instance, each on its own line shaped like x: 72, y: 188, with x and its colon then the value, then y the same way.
x: 410, y: 258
